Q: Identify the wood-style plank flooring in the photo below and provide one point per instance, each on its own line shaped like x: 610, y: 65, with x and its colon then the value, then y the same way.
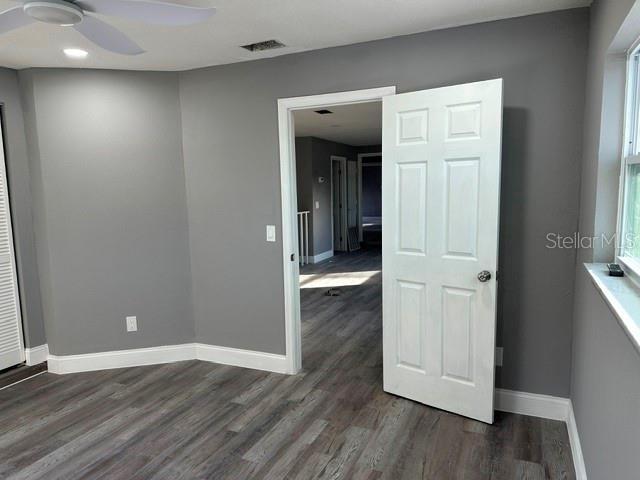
x: 19, y: 373
x: 197, y: 420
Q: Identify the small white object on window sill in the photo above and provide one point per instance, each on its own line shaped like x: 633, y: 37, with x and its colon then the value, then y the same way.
x: 622, y: 296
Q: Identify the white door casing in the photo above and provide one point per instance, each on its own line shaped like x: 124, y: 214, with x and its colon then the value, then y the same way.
x: 440, y: 201
x: 11, y: 340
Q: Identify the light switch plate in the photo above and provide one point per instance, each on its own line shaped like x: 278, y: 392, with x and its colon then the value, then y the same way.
x: 271, y: 233
x: 132, y: 324
x: 317, y: 205
x: 499, y: 351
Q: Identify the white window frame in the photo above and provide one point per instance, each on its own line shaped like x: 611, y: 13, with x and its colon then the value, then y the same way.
x: 630, y: 156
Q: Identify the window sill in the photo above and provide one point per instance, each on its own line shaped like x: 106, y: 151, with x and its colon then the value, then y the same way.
x: 622, y: 296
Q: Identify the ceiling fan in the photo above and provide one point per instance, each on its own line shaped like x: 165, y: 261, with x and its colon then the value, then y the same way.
x: 80, y: 14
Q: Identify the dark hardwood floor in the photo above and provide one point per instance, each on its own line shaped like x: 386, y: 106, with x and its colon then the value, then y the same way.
x: 19, y: 373
x: 196, y: 420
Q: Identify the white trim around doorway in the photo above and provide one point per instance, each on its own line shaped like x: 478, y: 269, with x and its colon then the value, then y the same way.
x: 286, y: 136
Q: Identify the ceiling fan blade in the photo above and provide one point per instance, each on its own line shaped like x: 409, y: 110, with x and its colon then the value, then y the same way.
x: 107, y: 37
x: 161, y: 13
x: 13, y: 18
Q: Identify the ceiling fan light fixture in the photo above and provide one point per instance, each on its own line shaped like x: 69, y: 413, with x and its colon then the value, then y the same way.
x: 75, y: 53
x: 56, y: 12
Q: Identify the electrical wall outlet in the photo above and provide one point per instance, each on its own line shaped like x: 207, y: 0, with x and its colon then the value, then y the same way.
x: 132, y: 324
x: 499, y: 356
x: 271, y: 233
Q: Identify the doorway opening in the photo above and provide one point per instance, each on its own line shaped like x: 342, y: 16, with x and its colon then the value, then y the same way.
x: 340, y: 277
x: 322, y: 200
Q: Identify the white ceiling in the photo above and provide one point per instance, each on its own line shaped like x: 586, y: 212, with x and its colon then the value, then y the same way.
x: 357, y: 124
x: 300, y: 24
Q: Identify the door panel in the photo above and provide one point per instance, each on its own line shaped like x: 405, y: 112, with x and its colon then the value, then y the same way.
x: 411, y: 201
x: 410, y: 320
x: 457, y: 342
x: 11, y: 343
x: 440, y: 201
x: 461, y: 221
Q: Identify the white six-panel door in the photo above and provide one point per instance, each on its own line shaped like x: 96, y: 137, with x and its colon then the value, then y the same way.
x: 11, y: 344
x: 440, y: 204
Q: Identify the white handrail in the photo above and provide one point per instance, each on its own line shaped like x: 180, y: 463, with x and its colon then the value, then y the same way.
x: 303, y: 237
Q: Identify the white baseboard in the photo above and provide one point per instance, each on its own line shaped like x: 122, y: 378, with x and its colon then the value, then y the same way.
x: 545, y: 406
x: 270, y: 362
x: 166, y: 354
x: 121, y: 358
x: 576, y: 448
x: 322, y: 256
x: 36, y: 355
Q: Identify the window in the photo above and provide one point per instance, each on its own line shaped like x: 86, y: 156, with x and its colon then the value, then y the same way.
x: 629, y: 217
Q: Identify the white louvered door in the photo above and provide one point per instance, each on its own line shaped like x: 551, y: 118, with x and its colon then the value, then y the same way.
x: 11, y: 343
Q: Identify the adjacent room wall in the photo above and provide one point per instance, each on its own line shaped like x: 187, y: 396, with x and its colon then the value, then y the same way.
x: 230, y: 139
x: 21, y: 209
x: 605, y: 377
x: 313, y: 160
x: 322, y: 150
x: 110, y: 207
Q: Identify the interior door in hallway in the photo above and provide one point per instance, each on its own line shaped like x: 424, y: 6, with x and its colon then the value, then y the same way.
x: 339, y: 202
x: 440, y: 184
x: 352, y: 194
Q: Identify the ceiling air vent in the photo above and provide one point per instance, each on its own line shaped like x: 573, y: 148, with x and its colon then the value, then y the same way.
x: 261, y: 46
x: 324, y: 111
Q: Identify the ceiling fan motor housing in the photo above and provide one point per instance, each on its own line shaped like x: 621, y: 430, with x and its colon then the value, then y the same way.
x: 57, y: 12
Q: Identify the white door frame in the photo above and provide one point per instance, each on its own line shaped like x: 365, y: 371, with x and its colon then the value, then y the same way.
x: 360, y: 157
x: 286, y: 136
x: 343, y: 197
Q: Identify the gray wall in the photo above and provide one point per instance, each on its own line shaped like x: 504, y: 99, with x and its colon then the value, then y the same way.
x: 232, y: 172
x: 109, y: 207
x: 605, y: 377
x: 605, y: 388
x: 20, y: 197
x: 313, y: 160
x: 323, y: 217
